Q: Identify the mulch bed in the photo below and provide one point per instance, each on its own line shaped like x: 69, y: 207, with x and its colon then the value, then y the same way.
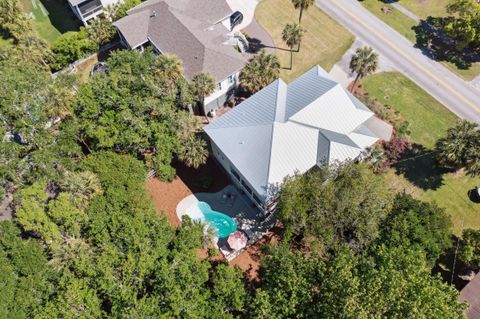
x: 166, y: 195
x: 249, y: 259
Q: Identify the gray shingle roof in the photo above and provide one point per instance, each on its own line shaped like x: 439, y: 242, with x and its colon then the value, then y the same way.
x: 187, y: 29
x: 285, y: 129
x: 471, y: 295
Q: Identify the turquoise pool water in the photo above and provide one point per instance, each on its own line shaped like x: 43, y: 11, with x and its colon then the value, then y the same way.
x: 223, y: 224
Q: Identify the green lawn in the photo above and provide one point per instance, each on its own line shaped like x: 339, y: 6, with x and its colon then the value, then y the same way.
x: 324, y: 42
x: 4, y: 43
x: 467, y: 74
x: 403, y: 24
x: 419, y: 175
x: 51, y: 17
x: 419, y: 108
x: 425, y: 8
x: 395, y: 19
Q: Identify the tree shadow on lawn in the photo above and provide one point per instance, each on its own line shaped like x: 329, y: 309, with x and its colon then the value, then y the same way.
x: 256, y: 45
x: 61, y: 16
x: 418, y: 165
x: 438, y: 46
x: 444, y: 265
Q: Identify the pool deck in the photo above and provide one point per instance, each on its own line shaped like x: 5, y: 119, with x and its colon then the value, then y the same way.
x: 231, y: 202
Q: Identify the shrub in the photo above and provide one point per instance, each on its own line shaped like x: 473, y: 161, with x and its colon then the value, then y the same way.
x: 387, y: 113
x: 394, y: 149
x: 212, y: 252
x: 70, y: 47
x: 469, y: 251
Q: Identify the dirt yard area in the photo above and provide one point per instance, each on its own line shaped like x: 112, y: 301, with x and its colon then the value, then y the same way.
x: 249, y: 260
x: 166, y: 195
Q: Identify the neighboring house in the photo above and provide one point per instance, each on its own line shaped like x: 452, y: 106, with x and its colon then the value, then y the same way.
x: 284, y: 129
x: 86, y: 10
x: 471, y: 295
x: 196, y: 31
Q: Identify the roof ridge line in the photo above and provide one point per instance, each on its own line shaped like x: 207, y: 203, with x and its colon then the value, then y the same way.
x: 176, y: 11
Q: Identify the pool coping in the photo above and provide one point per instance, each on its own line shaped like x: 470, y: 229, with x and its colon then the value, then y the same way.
x: 257, y: 227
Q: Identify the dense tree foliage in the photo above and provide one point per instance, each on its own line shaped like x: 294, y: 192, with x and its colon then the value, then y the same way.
x: 101, y: 31
x: 412, y: 222
x: 13, y: 21
x: 28, y: 46
x: 464, y: 26
x: 110, y: 254
x: 30, y: 105
x: 383, y: 283
x: 86, y: 242
x: 70, y: 47
x: 469, y: 250
x: 334, y: 205
x: 133, y: 110
x: 461, y: 147
x: 25, y: 277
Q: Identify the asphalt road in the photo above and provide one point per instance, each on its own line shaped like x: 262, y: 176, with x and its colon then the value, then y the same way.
x: 458, y: 95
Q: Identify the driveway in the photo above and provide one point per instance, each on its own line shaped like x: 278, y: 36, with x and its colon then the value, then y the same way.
x: 247, y: 8
x: 458, y: 95
x: 341, y: 70
x: 258, y: 37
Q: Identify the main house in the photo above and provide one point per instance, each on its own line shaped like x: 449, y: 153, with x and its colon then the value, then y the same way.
x: 196, y: 31
x: 85, y: 10
x: 284, y: 129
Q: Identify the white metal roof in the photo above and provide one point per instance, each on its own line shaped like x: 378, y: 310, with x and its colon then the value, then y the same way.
x: 285, y: 129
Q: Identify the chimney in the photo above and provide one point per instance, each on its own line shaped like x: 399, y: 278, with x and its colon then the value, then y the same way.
x: 154, y: 14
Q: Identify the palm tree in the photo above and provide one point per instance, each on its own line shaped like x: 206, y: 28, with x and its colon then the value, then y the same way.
x: 71, y: 250
x: 209, y: 235
x: 363, y: 62
x: 203, y: 85
x: 193, y: 151
x: 187, y: 125
x: 302, y: 5
x: 262, y: 70
x: 100, y: 30
x: 292, y: 35
x: 461, y: 147
x: 83, y: 185
x: 168, y: 70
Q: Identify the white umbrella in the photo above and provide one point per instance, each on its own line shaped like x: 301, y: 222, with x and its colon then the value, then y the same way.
x: 237, y: 240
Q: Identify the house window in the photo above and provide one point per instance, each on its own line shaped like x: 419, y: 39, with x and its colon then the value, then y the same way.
x: 219, y: 86
x: 255, y: 197
x: 231, y: 79
x: 234, y: 173
x: 249, y: 190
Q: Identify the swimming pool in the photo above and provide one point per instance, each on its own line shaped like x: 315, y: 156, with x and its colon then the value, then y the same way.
x: 223, y: 224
